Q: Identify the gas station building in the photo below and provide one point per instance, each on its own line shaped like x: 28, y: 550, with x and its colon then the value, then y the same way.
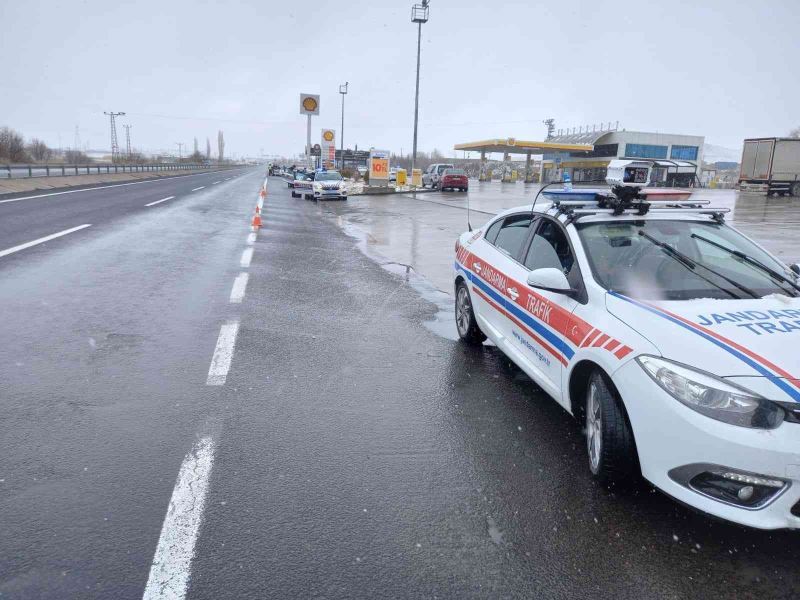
x: 585, y: 154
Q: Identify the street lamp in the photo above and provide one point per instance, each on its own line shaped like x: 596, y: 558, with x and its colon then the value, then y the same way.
x: 419, y: 15
x: 342, y: 91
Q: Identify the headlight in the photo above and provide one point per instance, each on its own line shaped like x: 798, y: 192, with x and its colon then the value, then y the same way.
x: 712, y: 396
x: 317, y: 187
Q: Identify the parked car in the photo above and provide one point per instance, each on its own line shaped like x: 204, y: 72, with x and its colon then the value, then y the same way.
x: 393, y: 175
x: 665, y: 332
x: 454, y: 179
x: 431, y: 175
x: 298, y: 181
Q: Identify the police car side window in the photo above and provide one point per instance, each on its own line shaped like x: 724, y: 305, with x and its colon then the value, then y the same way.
x: 491, y: 233
x: 550, y: 249
x: 512, y: 234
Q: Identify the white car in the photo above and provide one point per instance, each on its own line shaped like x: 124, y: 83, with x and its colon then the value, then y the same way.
x: 673, y: 336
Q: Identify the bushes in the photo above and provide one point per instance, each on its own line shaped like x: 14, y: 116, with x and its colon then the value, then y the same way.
x: 12, y: 146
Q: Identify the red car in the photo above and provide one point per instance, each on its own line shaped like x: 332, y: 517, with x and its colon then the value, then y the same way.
x: 454, y: 179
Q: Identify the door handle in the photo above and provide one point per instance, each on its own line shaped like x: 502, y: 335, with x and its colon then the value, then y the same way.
x: 513, y: 293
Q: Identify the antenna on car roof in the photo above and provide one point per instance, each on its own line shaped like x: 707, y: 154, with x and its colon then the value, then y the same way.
x: 469, y: 226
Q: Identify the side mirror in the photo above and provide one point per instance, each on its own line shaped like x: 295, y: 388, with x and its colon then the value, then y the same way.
x: 551, y: 280
x: 796, y: 268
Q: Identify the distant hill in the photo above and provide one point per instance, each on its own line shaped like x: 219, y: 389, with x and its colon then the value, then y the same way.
x: 713, y: 154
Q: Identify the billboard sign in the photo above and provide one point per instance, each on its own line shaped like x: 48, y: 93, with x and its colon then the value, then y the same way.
x: 379, y: 167
x: 328, y: 146
x: 309, y: 104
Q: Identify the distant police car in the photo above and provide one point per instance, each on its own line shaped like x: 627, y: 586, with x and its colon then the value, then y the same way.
x: 321, y: 185
x: 672, y: 335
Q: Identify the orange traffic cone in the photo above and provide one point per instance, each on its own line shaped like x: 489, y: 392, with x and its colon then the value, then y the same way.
x: 256, y: 220
x: 258, y: 210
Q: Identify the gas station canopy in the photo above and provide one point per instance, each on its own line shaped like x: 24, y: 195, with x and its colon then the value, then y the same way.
x: 515, y: 146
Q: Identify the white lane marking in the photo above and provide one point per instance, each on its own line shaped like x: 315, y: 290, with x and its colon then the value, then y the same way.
x: 247, y: 256
x: 239, y: 286
x: 215, y: 183
x: 251, y: 238
x: 260, y: 203
x: 160, y: 201
x: 200, y: 188
x: 42, y: 240
x: 223, y: 354
x: 172, y: 562
x: 102, y: 187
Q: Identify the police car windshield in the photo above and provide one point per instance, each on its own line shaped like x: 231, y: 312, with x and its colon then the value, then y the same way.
x: 630, y: 257
x: 328, y: 176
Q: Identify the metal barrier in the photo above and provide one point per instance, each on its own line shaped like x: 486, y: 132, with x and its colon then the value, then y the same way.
x: 24, y: 171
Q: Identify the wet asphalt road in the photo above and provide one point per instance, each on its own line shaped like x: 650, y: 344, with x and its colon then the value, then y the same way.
x: 357, y: 454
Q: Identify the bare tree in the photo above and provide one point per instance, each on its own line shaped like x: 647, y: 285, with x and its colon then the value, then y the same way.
x: 12, y: 145
x: 208, y: 149
x: 39, y: 150
x: 76, y: 157
x: 795, y: 133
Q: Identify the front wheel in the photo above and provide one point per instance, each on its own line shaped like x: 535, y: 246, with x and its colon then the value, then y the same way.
x: 467, y: 326
x: 613, y: 459
x: 796, y: 189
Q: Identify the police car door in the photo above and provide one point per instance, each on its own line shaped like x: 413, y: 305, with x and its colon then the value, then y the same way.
x: 495, y: 256
x: 538, y: 319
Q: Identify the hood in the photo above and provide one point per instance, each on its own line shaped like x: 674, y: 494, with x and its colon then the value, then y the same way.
x: 758, y: 338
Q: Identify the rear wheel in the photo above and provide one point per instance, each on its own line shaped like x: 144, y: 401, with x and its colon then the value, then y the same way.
x: 796, y: 189
x: 467, y: 326
x: 612, y: 452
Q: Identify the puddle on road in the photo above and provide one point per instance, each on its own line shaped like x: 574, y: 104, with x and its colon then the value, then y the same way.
x: 444, y: 322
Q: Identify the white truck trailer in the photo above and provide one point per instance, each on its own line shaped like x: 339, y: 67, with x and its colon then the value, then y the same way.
x: 771, y: 166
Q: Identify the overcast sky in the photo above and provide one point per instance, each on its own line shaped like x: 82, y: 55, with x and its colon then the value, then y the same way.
x: 180, y: 69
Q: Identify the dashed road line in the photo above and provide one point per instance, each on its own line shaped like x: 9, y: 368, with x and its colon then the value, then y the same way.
x: 239, y: 286
x: 160, y: 201
x: 216, y: 182
x: 247, y: 256
x: 251, y: 238
x: 42, y: 240
x: 172, y: 562
x: 223, y: 354
x: 198, y: 188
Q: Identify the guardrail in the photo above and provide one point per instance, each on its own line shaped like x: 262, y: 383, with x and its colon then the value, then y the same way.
x: 20, y: 171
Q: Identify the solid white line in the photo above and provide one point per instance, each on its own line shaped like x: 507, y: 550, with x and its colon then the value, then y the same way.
x: 160, y: 201
x: 102, y: 187
x: 200, y: 188
x: 260, y: 203
x: 223, y: 354
x: 247, y: 256
x: 239, y: 286
x: 172, y: 562
x: 251, y: 238
x: 42, y: 240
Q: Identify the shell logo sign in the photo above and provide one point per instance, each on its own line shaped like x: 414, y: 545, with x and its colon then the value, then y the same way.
x: 309, y: 104
x: 328, y: 155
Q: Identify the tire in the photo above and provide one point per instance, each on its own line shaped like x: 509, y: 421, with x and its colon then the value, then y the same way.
x: 610, y: 445
x: 295, y: 195
x: 466, y: 325
x: 796, y: 189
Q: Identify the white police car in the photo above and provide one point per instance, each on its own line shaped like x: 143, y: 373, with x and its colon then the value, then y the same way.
x: 674, y: 336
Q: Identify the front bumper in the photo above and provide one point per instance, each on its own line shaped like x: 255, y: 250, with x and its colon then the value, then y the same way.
x: 330, y: 194
x: 669, y: 436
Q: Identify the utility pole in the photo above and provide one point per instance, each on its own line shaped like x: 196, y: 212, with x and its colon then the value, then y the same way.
x: 343, y: 92
x: 128, y: 139
x: 551, y: 127
x: 114, y: 144
x: 419, y: 15
x: 180, y: 147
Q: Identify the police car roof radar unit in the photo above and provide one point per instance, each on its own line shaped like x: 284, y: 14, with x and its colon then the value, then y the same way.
x: 671, y: 335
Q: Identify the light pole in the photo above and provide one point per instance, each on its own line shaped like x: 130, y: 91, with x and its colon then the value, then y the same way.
x: 180, y: 147
x: 419, y: 15
x: 343, y: 92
